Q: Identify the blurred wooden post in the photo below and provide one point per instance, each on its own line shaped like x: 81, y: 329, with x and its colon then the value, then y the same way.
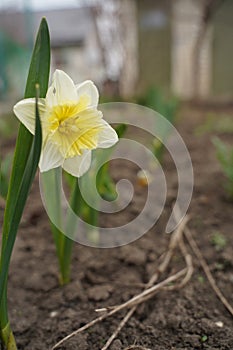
x: 209, y: 7
x: 129, y: 27
x: 186, y: 21
x: 116, y: 31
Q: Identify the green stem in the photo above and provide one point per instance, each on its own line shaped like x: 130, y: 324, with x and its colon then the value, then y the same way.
x: 58, y: 238
x: 64, y: 244
x: 67, y: 243
x: 65, y: 261
x: 93, y: 232
x: 64, y: 251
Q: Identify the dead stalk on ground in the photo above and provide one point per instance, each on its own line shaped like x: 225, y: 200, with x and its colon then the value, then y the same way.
x: 176, y: 240
x: 150, y: 289
x: 192, y: 243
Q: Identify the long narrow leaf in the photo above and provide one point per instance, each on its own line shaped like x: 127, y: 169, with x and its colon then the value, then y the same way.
x: 21, y: 198
x: 24, y: 166
x: 38, y: 74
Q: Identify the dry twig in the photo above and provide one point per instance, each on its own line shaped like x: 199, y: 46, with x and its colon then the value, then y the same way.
x: 138, y: 299
x: 175, y: 239
x: 136, y: 347
x: 118, y: 329
x: 207, y: 271
x: 150, y: 290
x: 204, y: 265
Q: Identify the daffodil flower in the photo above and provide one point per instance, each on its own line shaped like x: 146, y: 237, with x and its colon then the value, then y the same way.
x: 71, y: 124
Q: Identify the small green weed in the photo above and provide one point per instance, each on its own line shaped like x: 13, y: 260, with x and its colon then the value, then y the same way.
x: 200, y: 279
x: 204, y: 338
x: 225, y: 156
x: 218, y: 240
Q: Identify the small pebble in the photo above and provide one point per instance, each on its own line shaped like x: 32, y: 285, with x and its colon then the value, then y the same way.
x: 99, y: 293
x: 117, y: 345
x: 144, y: 178
x: 219, y: 324
x: 53, y: 314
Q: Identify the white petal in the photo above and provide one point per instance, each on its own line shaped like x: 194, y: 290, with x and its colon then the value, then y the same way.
x: 50, y: 157
x: 90, y: 91
x: 25, y: 112
x: 107, y: 136
x: 78, y: 165
x: 62, y: 90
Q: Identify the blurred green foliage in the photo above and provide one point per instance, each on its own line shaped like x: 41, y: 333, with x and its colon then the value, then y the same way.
x: 5, y: 168
x: 12, y: 56
x: 155, y: 99
x: 8, y: 126
x: 215, y: 123
x: 225, y: 156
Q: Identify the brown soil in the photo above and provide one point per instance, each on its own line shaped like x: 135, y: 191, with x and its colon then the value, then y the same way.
x: 42, y: 313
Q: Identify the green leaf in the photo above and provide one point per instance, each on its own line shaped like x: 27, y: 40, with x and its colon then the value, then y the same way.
x: 120, y: 129
x: 26, y: 156
x: 20, y: 199
x: 40, y: 63
x: 38, y: 74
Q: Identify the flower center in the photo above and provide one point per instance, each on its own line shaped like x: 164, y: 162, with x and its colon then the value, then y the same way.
x: 74, y: 128
x: 60, y: 117
x: 61, y: 114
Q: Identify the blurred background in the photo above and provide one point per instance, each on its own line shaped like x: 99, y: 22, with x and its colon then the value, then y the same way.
x: 183, y: 47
